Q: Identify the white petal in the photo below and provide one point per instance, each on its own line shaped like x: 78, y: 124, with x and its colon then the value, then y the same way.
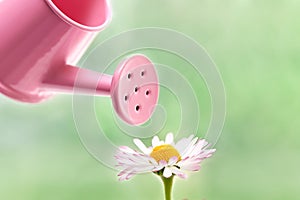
x: 182, y: 144
x: 189, y: 148
x: 122, y: 178
x: 158, y: 168
x: 172, y: 160
x: 155, y: 141
x: 190, y: 164
x: 130, y: 175
x: 178, y: 172
x: 192, y: 167
x: 198, y: 148
x: 126, y: 149
x: 153, y: 161
x: 142, y: 146
x: 143, y: 169
x: 169, y: 138
x: 132, y: 162
x: 167, y: 172
x: 126, y: 175
x: 163, y: 163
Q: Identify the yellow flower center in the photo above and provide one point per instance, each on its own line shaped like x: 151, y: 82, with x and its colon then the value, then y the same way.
x: 164, y: 152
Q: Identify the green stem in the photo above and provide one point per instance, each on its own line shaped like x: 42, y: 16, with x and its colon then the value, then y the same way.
x: 168, y: 183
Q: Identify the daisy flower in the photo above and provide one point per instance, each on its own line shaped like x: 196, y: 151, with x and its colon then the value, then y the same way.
x: 165, y: 158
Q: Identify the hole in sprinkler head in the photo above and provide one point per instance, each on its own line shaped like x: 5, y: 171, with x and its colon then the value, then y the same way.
x: 136, y: 89
x: 137, y: 108
x: 142, y: 73
x: 129, y: 76
x: 147, y: 92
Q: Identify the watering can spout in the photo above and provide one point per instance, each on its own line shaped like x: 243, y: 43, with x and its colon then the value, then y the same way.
x: 133, y: 87
x: 70, y: 79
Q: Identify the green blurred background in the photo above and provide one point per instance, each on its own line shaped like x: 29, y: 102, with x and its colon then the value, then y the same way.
x: 255, y: 45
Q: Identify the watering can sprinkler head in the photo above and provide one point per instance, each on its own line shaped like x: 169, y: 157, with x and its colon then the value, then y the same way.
x: 38, y: 57
x: 135, y: 89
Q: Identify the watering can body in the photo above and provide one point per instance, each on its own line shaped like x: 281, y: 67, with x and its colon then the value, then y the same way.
x: 41, y: 42
x: 42, y: 38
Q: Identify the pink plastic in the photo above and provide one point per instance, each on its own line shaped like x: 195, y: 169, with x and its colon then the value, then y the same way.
x: 135, y: 89
x: 36, y: 43
x: 41, y: 42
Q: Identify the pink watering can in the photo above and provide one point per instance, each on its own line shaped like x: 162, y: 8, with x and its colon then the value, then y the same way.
x: 42, y: 40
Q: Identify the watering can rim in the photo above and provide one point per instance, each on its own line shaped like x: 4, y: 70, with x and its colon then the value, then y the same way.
x: 69, y: 20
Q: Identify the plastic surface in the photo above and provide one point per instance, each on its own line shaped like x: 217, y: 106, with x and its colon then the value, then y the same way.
x: 41, y: 42
x: 89, y: 15
x: 37, y: 42
x: 135, y: 90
